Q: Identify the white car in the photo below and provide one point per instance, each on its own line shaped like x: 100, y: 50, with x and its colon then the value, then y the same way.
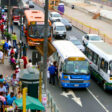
x: 59, y: 30
x: 54, y: 16
x: 77, y: 43
x: 91, y: 38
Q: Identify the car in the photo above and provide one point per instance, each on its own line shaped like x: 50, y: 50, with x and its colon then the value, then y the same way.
x: 54, y: 16
x: 31, y: 5
x: 67, y: 24
x: 91, y: 38
x: 59, y: 30
x: 77, y: 43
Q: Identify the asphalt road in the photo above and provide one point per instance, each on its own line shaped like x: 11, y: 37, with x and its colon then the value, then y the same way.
x: 92, y: 99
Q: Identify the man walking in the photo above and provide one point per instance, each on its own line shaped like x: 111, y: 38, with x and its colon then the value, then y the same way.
x: 14, y: 38
x: 52, y: 70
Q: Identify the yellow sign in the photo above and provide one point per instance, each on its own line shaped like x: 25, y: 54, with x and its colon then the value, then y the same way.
x: 76, y: 58
x: 24, y: 99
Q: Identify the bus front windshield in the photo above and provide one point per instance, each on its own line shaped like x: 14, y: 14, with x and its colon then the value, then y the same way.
x: 76, y: 67
x: 37, y: 31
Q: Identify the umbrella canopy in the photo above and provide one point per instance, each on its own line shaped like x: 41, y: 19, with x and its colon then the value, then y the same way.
x: 31, y: 103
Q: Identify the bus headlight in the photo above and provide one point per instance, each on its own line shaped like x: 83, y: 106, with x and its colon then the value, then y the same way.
x: 65, y: 77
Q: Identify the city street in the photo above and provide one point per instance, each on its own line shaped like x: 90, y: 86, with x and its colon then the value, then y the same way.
x: 92, y: 99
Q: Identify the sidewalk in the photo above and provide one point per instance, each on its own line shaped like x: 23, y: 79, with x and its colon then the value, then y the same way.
x: 5, y: 68
x: 87, y: 19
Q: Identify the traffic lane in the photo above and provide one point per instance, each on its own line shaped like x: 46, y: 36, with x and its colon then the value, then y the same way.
x: 104, y: 96
x: 75, y: 33
x: 89, y: 104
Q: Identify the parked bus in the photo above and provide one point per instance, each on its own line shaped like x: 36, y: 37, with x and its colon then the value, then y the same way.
x: 15, y: 14
x: 73, y: 67
x: 34, y: 27
x: 100, y: 57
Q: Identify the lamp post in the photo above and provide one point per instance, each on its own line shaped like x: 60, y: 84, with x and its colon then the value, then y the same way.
x: 45, y: 46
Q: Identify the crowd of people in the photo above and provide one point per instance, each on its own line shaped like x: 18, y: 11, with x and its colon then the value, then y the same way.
x: 11, y: 51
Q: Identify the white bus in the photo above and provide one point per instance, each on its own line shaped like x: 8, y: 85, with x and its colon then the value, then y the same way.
x: 100, y: 57
x: 73, y: 66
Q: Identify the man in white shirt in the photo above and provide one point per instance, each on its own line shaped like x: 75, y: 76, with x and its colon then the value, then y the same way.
x: 1, y: 54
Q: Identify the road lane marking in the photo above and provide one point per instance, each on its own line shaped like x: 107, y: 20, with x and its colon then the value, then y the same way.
x: 106, y: 110
x: 74, y: 97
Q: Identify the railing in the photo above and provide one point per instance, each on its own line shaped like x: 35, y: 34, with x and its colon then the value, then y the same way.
x: 82, y: 26
x: 51, y: 103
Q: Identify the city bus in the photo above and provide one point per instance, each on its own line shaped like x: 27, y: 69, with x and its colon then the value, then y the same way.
x: 15, y: 14
x: 34, y: 27
x: 73, y: 66
x: 100, y: 57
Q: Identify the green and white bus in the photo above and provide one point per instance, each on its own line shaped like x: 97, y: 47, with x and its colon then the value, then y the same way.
x: 100, y: 57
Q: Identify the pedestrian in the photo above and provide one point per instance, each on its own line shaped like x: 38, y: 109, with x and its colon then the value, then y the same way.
x: 52, y: 70
x: 6, y: 47
x: 29, y: 63
x: 25, y: 60
x: 1, y: 54
x: 24, y: 50
x: 10, y: 98
x: 14, y: 38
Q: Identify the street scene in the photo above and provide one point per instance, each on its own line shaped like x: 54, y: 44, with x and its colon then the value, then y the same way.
x: 55, y: 56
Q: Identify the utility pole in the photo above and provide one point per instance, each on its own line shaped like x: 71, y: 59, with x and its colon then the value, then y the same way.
x: 45, y: 45
x: 8, y: 15
x: 20, y: 32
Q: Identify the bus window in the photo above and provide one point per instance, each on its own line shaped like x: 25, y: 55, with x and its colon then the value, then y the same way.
x: 90, y: 54
x: 37, y: 31
x: 102, y: 64
x: 105, y: 67
x: 74, y: 67
x: 95, y: 58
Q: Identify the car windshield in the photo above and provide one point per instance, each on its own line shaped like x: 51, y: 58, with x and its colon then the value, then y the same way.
x: 56, y: 15
x: 37, y: 31
x: 76, y: 67
x: 60, y: 28
x: 16, y: 11
x: 95, y: 38
x: 76, y: 42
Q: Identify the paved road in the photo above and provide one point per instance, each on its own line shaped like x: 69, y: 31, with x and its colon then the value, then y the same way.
x: 93, y: 99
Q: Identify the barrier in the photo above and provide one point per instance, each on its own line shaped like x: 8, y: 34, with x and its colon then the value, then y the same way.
x: 82, y: 26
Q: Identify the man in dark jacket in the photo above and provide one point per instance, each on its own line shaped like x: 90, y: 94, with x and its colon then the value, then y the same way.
x: 52, y: 71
